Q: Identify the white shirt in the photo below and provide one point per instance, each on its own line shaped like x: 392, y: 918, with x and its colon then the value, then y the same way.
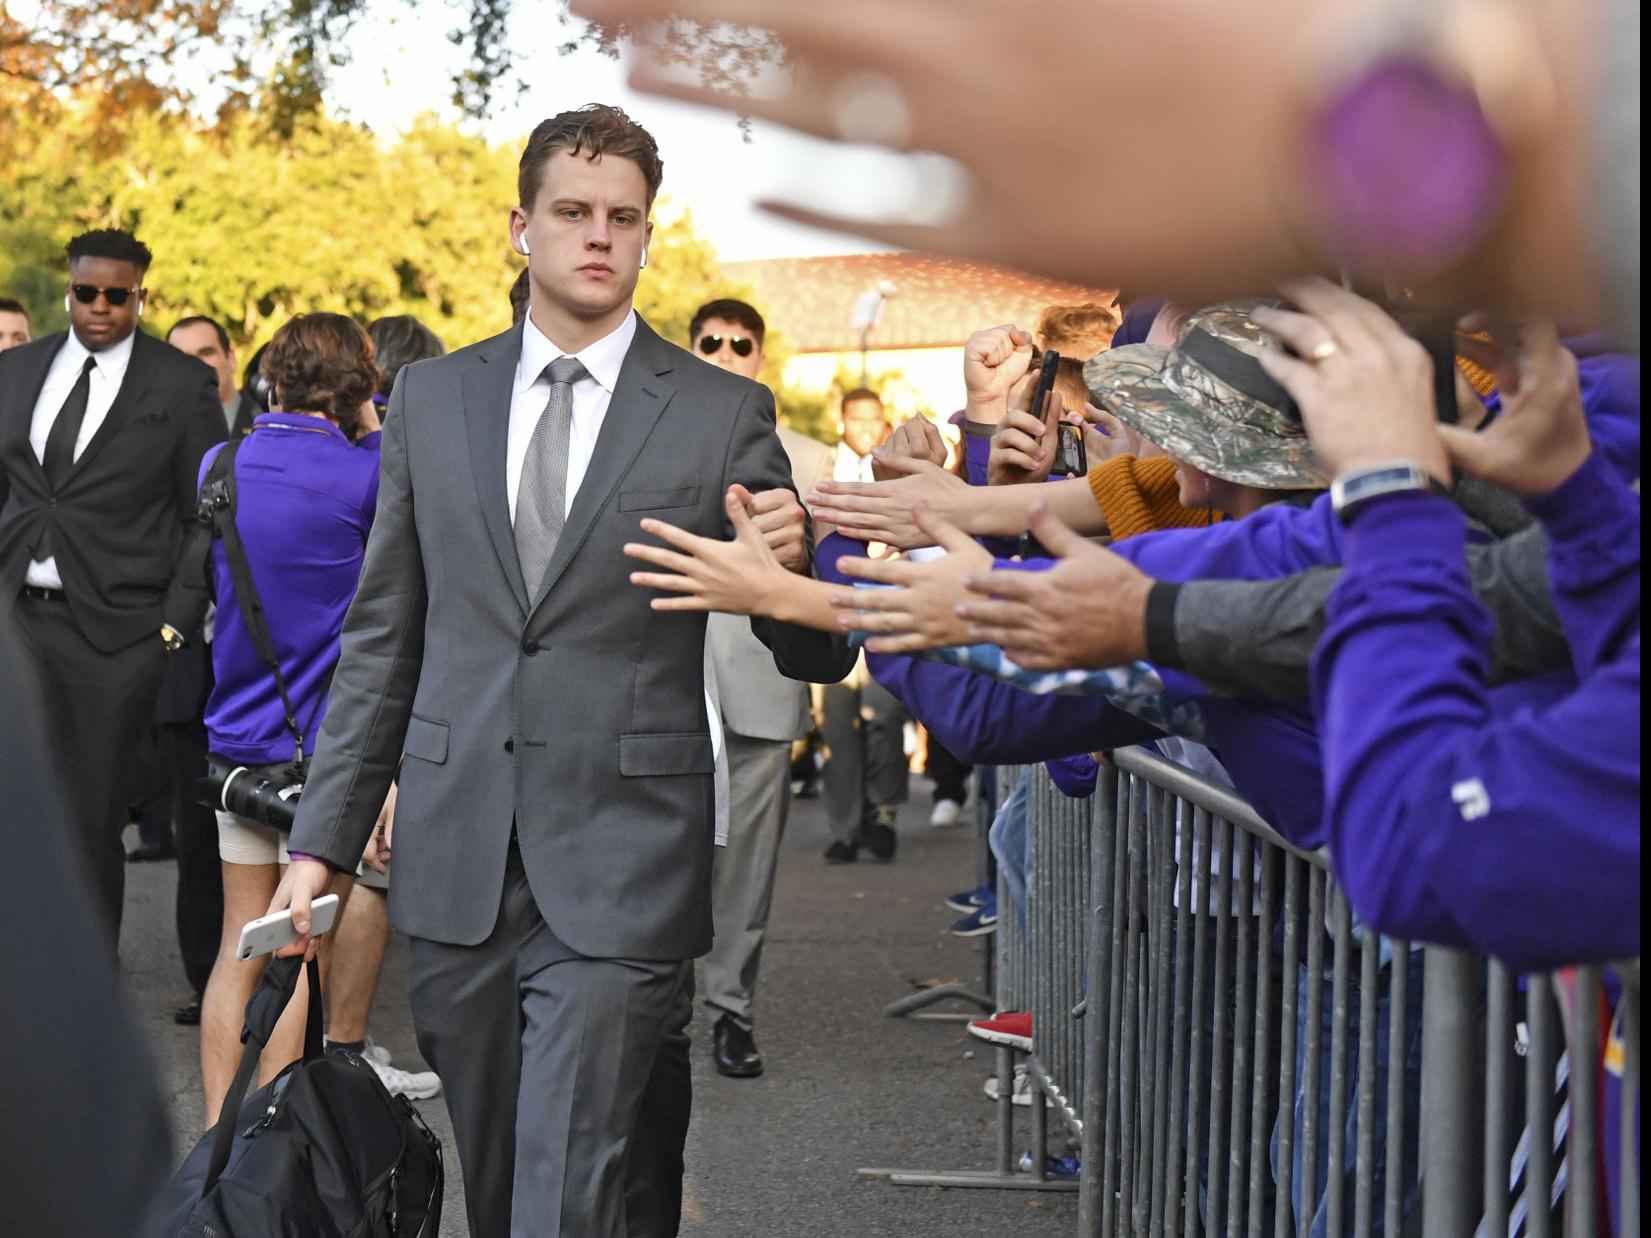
x: 850, y: 467
x: 591, y: 396
x: 107, y: 376
x: 531, y: 392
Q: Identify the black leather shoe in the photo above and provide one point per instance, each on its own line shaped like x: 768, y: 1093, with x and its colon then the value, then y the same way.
x: 188, y: 1015
x: 143, y: 853
x: 841, y: 853
x: 878, y: 831
x: 734, y: 1050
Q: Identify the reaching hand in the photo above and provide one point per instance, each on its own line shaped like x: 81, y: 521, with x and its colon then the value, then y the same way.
x: 704, y: 574
x: 922, y: 612
x: 1105, y: 437
x: 1364, y: 387
x: 1541, y: 437
x: 779, y: 516
x: 881, y: 511
x: 916, y: 438
x: 1086, y: 612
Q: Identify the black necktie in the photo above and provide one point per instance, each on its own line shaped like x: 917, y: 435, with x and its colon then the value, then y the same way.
x: 59, y: 457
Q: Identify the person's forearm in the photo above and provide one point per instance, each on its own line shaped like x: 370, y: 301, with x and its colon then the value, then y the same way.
x: 801, y: 601
x: 1005, y: 511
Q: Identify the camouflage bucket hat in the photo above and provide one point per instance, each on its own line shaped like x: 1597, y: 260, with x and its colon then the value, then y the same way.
x: 1208, y: 401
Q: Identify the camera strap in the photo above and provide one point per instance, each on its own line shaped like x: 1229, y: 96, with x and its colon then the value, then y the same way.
x: 216, y: 511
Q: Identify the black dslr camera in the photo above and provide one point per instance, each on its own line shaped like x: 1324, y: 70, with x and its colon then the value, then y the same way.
x: 266, y: 795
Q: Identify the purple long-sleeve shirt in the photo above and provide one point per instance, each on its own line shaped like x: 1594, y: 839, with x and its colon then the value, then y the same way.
x: 1515, y: 832
x: 305, y: 502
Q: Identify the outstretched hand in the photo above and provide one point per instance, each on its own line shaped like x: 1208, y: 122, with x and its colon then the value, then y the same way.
x: 1541, y: 437
x: 704, y: 574
x: 881, y: 511
x: 921, y: 612
x: 1086, y: 612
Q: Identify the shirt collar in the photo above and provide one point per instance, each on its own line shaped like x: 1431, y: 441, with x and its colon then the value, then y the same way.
x: 111, y: 361
x: 299, y: 421
x: 602, y: 360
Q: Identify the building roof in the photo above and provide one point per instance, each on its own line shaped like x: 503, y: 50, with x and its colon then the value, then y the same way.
x: 940, y: 302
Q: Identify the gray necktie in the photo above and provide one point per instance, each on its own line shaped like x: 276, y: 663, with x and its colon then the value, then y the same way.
x: 541, y: 500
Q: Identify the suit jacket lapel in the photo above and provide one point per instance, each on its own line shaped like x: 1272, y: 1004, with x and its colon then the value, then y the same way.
x: 639, y: 397
x: 140, y: 373
x: 488, y: 389
x: 20, y: 412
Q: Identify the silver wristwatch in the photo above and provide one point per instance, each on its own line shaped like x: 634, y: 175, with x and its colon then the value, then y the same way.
x: 1361, y: 485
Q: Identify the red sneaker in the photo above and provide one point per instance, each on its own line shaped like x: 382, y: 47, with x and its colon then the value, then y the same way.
x: 1009, y: 1027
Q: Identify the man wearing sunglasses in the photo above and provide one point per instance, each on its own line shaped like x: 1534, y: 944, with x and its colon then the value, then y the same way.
x: 762, y: 713
x: 102, y: 430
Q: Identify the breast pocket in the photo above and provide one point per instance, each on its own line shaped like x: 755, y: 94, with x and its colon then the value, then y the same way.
x: 646, y: 500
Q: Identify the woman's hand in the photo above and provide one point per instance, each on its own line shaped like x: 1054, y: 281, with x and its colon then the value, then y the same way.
x: 921, y: 613
x: 377, y: 854
x: 703, y: 574
x: 1023, y: 448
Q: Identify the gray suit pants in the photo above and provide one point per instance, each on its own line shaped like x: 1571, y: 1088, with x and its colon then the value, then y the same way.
x: 759, y: 800
x: 543, y: 1053
x: 864, y: 729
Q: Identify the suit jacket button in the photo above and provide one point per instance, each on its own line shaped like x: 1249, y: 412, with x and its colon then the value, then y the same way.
x: 510, y: 745
x: 530, y: 648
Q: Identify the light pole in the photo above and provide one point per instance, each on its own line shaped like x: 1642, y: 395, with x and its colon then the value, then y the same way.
x: 868, y: 308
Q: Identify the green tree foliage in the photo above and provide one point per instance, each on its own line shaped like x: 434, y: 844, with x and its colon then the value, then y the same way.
x: 251, y: 230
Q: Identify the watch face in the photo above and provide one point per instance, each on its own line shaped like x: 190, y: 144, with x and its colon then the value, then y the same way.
x: 1408, y: 173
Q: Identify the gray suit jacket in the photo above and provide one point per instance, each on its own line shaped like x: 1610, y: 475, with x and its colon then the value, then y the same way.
x: 757, y: 701
x: 576, y: 717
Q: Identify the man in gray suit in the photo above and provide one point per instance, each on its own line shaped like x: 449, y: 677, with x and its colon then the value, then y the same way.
x: 762, y: 712
x: 555, y: 814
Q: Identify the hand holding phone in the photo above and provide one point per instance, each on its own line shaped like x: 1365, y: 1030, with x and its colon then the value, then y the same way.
x: 268, y: 934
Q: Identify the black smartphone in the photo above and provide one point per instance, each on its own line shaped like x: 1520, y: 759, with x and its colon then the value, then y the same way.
x: 1071, y: 460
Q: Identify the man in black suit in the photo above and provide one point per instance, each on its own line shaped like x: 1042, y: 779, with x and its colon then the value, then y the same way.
x: 102, y: 430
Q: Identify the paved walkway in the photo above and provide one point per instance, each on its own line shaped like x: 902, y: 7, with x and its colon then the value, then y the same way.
x: 772, y: 1157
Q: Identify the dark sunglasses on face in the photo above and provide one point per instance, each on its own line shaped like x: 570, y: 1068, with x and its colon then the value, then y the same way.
x: 87, y: 293
x: 709, y: 344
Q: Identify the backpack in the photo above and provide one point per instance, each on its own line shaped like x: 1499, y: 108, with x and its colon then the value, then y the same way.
x: 322, y: 1151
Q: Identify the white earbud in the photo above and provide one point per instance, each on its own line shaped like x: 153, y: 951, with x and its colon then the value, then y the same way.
x: 66, y: 303
x: 140, y: 307
x: 522, y: 246
x: 644, y: 256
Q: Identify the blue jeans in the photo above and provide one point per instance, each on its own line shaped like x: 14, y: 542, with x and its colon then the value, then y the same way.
x: 1412, y: 1031
x: 1011, y: 842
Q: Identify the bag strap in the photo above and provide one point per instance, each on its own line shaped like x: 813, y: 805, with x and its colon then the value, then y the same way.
x: 269, y: 1000
x: 218, y: 502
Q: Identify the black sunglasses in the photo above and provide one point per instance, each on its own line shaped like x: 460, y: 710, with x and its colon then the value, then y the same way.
x: 87, y: 293
x: 742, y: 347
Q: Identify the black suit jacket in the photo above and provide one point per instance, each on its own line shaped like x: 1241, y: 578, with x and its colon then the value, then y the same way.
x: 115, y: 523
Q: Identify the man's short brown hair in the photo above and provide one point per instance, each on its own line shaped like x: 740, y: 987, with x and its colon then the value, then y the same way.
x: 1078, y: 331
x: 592, y: 131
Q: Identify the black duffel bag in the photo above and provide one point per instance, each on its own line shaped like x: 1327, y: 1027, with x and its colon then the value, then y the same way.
x: 323, y: 1149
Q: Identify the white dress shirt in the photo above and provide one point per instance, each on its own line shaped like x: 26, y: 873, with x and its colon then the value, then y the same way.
x: 591, y: 396
x: 107, y: 375
x: 848, y: 466
x: 531, y: 393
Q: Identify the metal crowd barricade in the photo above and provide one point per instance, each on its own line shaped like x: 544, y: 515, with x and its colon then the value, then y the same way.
x: 1238, y: 1057
x: 1257, y: 1064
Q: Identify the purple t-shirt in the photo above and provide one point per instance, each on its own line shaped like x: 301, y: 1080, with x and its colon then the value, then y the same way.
x: 304, y: 506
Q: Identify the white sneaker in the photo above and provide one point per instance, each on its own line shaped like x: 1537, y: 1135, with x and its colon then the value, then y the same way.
x: 415, y: 1085
x: 374, y: 1052
x: 1019, y: 1094
x: 946, y: 813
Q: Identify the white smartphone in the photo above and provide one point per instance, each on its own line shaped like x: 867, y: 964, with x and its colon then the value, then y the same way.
x: 269, y: 933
